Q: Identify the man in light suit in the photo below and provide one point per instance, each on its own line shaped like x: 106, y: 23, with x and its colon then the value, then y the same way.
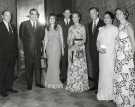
x: 8, y: 54
x: 65, y: 23
x: 32, y: 33
x: 93, y: 28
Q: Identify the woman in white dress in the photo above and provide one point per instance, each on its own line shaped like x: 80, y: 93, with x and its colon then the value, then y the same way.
x: 53, y: 45
x: 105, y: 46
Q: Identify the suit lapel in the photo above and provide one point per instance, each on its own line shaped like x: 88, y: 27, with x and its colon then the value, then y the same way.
x: 4, y: 26
x: 98, y: 24
x: 97, y: 27
x: 30, y: 26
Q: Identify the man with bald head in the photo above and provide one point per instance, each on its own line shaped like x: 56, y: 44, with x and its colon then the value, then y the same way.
x: 8, y: 54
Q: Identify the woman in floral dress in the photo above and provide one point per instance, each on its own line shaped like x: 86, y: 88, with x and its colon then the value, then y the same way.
x: 124, y: 72
x: 77, y: 78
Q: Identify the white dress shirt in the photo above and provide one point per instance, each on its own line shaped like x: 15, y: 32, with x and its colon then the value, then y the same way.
x: 67, y: 21
x: 95, y: 22
x: 6, y: 24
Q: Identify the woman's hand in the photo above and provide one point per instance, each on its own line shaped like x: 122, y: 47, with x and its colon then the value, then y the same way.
x: 62, y: 51
x: 102, y: 50
x: 44, y: 54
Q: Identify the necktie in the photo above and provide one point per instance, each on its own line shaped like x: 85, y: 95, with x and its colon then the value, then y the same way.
x: 34, y: 25
x: 94, y: 26
x: 67, y: 22
x: 10, y: 29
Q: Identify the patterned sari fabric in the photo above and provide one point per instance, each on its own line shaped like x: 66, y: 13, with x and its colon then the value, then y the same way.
x: 124, y: 72
x: 77, y: 79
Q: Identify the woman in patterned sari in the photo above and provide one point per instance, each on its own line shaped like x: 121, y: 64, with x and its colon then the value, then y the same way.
x: 77, y: 77
x: 124, y: 72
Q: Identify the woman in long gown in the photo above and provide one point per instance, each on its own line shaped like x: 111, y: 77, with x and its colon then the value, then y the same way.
x: 105, y: 45
x: 77, y: 77
x: 53, y: 45
x: 124, y: 72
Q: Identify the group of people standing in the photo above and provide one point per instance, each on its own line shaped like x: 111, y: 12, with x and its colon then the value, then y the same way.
x: 65, y: 50
x: 116, y: 46
x: 64, y: 44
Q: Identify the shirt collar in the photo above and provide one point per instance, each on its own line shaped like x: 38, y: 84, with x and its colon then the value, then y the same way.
x: 97, y: 20
x: 65, y: 20
x: 32, y: 22
x: 6, y: 23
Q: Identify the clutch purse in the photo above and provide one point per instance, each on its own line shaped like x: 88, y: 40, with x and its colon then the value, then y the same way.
x: 80, y: 53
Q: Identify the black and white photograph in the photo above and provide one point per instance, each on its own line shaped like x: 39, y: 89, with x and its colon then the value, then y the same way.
x: 67, y: 53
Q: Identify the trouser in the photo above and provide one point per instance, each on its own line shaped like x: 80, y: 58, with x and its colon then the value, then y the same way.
x: 32, y: 65
x: 95, y: 67
x: 7, y: 68
x: 64, y: 66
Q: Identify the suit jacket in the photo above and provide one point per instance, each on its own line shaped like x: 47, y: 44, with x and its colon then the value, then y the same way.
x: 65, y: 30
x: 8, y: 42
x: 31, y: 38
x: 92, y: 36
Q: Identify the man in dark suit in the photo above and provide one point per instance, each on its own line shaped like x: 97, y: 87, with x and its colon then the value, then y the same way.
x: 93, y: 28
x: 8, y: 54
x: 65, y: 23
x: 32, y: 33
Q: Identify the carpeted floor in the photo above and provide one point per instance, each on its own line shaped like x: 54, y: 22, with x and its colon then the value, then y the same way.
x: 44, y: 97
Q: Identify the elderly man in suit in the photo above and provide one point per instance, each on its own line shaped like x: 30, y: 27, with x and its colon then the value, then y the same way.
x: 8, y: 54
x: 93, y: 28
x: 65, y: 23
x: 32, y: 33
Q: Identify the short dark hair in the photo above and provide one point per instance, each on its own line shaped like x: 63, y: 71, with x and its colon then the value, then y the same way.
x: 125, y: 12
x: 67, y: 9
x: 94, y: 8
x: 3, y: 12
x: 110, y: 14
x: 33, y: 9
x: 78, y: 13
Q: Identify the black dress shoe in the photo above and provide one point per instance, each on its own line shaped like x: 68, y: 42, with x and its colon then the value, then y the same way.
x: 95, y: 91
x: 92, y: 88
x: 12, y: 90
x: 29, y: 88
x: 40, y: 86
x: 3, y: 94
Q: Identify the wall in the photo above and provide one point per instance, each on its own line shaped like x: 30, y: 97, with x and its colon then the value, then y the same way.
x: 103, y: 5
x: 54, y: 6
x: 83, y: 6
x: 57, y: 6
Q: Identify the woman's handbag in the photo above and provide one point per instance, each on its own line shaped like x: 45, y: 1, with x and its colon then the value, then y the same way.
x: 80, y: 53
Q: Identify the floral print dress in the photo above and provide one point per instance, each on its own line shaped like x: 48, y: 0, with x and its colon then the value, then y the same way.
x: 124, y: 73
x: 77, y: 78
